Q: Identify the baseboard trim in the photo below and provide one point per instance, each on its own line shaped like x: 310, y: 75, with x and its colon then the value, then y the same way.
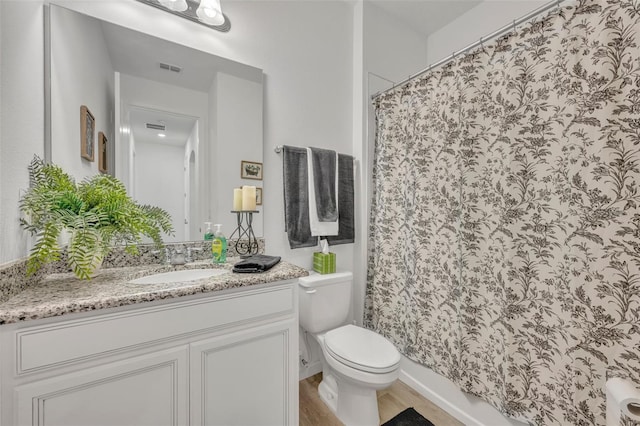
x: 310, y: 370
x: 467, y: 408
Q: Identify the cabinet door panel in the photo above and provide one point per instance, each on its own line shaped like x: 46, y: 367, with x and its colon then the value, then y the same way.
x: 243, y: 379
x: 148, y: 390
x: 85, y: 339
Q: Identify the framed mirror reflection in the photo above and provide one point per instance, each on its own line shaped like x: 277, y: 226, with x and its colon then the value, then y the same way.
x: 178, y: 120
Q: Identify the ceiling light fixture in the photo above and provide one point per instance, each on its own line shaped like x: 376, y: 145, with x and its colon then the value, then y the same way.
x: 210, y: 12
x: 175, y: 5
x: 204, y: 12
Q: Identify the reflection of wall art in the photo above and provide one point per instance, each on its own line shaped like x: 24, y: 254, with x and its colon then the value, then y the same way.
x: 250, y: 170
x: 87, y: 133
x: 258, y: 196
x: 103, y: 166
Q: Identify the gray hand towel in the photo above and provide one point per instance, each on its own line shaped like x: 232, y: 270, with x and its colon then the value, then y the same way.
x: 256, y: 263
x: 347, y: 229
x: 296, y: 198
x: 324, y: 176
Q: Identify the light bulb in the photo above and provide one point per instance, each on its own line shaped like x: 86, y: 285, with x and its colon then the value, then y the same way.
x: 210, y: 12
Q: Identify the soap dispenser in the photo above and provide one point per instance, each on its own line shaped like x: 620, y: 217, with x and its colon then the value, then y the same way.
x: 219, y: 245
x: 208, y: 233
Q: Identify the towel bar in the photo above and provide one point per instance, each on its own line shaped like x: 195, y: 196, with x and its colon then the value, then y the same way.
x: 278, y: 150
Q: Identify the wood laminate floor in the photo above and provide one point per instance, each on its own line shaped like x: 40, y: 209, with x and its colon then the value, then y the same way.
x: 391, y: 401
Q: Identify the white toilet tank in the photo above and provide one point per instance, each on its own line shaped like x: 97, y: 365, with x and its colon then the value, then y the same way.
x: 324, y: 300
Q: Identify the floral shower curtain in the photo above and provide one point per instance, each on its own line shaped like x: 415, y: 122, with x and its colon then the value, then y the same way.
x: 505, y: 228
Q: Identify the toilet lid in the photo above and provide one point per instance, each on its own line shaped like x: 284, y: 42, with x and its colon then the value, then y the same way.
x: 362, y: 349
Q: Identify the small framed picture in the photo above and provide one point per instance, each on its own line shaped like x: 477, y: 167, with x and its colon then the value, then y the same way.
x: 250, y: 170
x: 87, y: 133
x: 258, y: 196
x: 103, y: 166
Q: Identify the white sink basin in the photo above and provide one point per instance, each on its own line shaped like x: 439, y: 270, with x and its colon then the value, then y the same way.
x: 179, y: 276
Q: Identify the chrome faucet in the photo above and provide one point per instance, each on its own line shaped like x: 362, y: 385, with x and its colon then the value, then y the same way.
x: 190, y: 251
x: 178, y: 258
x: 174, y: 257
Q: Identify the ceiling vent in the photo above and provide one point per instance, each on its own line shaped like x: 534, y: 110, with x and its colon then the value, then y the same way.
x: 170, y: 67
x: 156, y: 126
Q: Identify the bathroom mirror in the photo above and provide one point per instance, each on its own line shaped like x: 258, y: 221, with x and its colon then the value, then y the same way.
x: 171, y: 122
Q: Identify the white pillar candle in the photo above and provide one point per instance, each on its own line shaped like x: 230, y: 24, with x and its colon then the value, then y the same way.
x: 237, y: 199
x: 248, y: 198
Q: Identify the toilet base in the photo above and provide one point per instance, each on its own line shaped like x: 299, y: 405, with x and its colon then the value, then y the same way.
x: 328, y: 391
x: 353, y: 405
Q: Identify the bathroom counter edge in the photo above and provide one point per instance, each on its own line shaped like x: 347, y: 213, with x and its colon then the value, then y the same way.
x: 62, y: 294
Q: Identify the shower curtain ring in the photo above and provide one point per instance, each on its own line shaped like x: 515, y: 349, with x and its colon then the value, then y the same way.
x: 558, y: 4
x: 514, y: 26
x: 481, y: 44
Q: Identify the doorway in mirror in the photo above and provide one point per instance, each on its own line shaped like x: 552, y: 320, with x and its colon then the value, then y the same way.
x: 163, y: 148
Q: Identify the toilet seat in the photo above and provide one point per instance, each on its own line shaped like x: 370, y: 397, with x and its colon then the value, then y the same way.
x: 362, y: 349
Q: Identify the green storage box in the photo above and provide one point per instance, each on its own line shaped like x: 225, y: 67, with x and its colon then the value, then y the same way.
x: 324, y: 263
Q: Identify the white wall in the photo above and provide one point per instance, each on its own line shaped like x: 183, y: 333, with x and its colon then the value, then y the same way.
x: 392, y: 50
x: 207, y: 172
x: 482, y: 20
x: 193, y: 229
x: 2, y: 84
x: 239, y: 137
x: 143, y: 93
x: 81, y: 74
x: 160, y: 181
x: 22, y: 113
x: 306, y: 50
x: 362, y: 175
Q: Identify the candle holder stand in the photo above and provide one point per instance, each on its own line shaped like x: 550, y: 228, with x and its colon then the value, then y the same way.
x: 249, y: 245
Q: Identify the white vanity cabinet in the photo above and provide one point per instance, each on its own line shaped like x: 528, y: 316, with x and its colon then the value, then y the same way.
x: 151, y: 389
x: 222, y: 358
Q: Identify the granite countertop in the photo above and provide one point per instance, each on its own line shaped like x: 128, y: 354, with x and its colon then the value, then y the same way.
x: 62, y: 293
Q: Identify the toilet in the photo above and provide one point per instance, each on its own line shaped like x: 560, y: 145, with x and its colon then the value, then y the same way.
x: 356, y: 361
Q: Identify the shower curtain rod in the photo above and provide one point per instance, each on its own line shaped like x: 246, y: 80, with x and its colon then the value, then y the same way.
x: 512, y: 26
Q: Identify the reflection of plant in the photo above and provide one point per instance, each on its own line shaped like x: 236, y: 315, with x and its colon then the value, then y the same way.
x: 97, y: 213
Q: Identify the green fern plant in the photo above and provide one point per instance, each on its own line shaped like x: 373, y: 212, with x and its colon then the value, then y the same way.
x: 97, y: 214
